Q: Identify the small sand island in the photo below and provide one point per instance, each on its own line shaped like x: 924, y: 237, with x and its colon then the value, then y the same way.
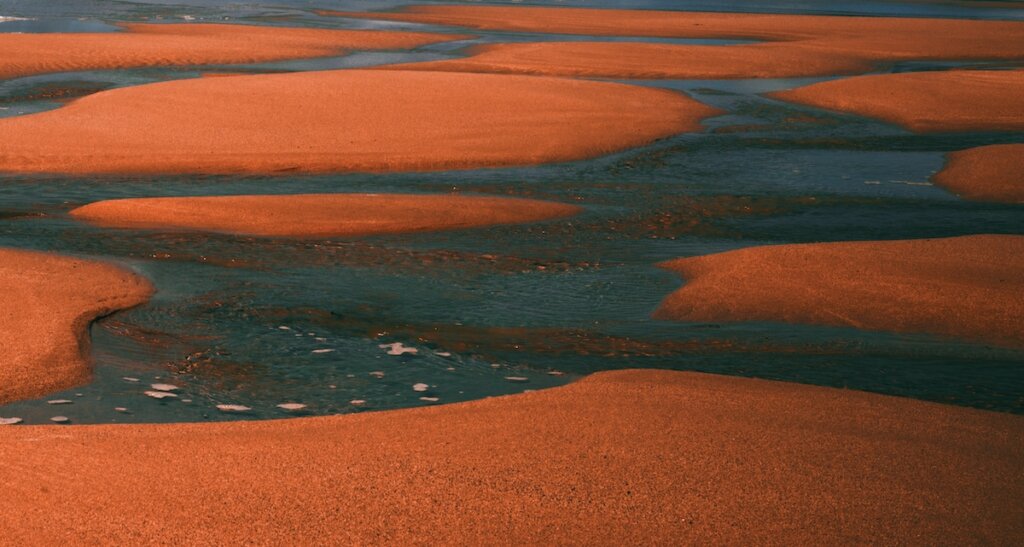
x: 48, y: 303
x: 642, y: 456
x: 986, y: 173
x: 964, y: 286
x: 954, y: 100
x: 320, y: 215
x: 343, y: 120
x: 141, y: 45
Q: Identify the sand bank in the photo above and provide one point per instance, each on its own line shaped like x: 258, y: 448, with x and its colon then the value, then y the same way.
x: 797, y: 45
x: 343, y: 120
x: 986, y: 173
x: 320, y: 214
x: 48, y: 303
x: 955, y: 100
x: 630, y: 456
x: 188, y: 44
x: 638, y: 60
x: 966, y: 287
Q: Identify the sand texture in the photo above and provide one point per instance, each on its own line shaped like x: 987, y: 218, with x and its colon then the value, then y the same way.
x: 344, y: 120
x: 48, y: 303
x: 639, y: 457
x: 143, y: 45
x: 986, y: 173
x: 793, y: 45
x: 954, y: 100
x: 968, y: 287
x: 306, y: 215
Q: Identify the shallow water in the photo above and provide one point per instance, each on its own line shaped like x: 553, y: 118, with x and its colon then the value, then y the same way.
x: 258, y: 322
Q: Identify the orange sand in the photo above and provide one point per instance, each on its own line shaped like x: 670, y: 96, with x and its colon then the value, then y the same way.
x: 637, y: 457
x: 320, y: 214
x: 986, y: 173
x: 343, y: 120
x: 48, y: 303
x: 955, y: 100
x: 967, y: 287
x: 648, y: 61
x: 799, y: 45
x: 188, y: 44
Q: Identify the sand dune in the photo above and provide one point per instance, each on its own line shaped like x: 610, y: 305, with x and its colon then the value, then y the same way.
x: 343, y: 120
x: 966, y: 287
x: 48, y: 302
x: 955, y: 100
x: 986, y: 173
x: 307, y: 215
x: 188, y: 44
x: 623, y: 457
x: 795, y: 45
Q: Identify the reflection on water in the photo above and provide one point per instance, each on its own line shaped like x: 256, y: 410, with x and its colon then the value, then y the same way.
x: 259, y: 322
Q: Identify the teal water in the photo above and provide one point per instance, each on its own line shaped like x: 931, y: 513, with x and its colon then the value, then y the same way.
x: 259, y: 321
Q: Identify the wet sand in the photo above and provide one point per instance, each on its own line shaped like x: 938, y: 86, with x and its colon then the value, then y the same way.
x: 955, y: 100
x: 48, y: 303
x: 986, y: 173
x: 628, y: 456
x: 344, y: 120
x: 795, y: 45
x: 307, y: 215
x: 967, y: 287
x: 143, y: 45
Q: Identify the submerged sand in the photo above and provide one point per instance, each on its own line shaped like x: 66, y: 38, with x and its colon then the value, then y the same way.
x: 305, y: 215
x: 968, y: 287
x: 48, y: 303
x: 793, y: 45
x: 954, y: 100
x: 143, y: 45
x: 343, y: 120
x: 986, y: 173
x: 651, y: 457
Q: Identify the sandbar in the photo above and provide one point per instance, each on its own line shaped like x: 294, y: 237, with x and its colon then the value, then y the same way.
x: 48, y: 303
x: 985, y: 173
x: 306, y: 215
x: 343, y: 120
x: 142, y: 45
x: 934, y: 101
x: 639, y: 457
x: 967, y: 287
x: 792, y: 45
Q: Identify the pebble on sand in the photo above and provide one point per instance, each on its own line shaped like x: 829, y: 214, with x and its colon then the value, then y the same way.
x: 159, y: 394
x: 420, y: 387
x: 60, y: 402
x: 164, y: 387
x: 291, y: 406
x: 60, y: 419
x: 398, y: 348
x: 10, y: 421
x: 233, y: 408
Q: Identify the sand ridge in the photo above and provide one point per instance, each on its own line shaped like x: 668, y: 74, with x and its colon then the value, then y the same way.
x: 793, y: 45
x: 629, y: 456
x: 48, y: 303
x: 343, y: 120
x: 311, y: 215
x: 142, y: 44
x: 953, y: 100
x: 967, y: 287
x: 985, y: 173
